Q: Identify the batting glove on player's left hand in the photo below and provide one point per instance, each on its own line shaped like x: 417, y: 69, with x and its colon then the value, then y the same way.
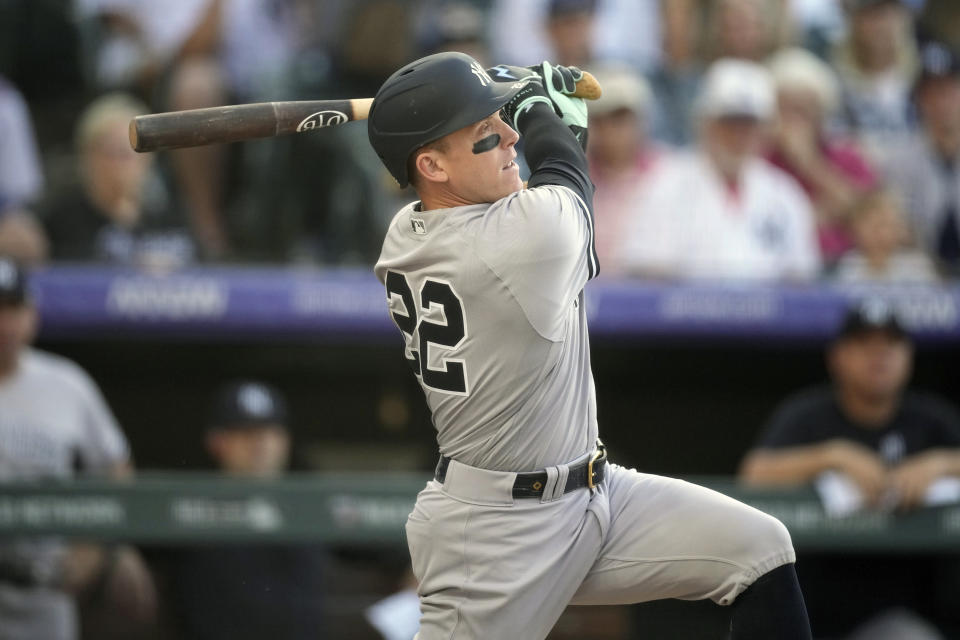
x: 560, y: 83
x: 532, y: 92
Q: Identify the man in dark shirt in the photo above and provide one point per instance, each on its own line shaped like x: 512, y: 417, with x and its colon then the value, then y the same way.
x: 248, y: 591
x: 891, y: 442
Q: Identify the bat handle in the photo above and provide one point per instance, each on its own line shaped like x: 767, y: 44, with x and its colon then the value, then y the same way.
x: 587, y: 87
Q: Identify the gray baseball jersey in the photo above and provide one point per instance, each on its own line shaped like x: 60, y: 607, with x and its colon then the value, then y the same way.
x: 52, y: 419
x: 489, y: 299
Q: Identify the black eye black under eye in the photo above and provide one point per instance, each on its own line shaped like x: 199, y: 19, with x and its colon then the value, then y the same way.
x: 488, y: 143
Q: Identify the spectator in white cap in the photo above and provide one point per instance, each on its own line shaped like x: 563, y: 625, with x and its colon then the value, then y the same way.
x: 621, y: 157
x: 721, y: 211
x: 832, y: 171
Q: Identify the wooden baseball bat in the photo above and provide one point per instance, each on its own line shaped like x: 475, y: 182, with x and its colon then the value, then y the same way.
x: 233, y: 123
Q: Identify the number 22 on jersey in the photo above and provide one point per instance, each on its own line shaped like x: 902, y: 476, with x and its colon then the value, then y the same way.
x: 421, y: 333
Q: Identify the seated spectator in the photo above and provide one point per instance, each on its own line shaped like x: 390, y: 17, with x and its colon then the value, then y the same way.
x: 621, y: 157
x: 697, y: 32
x: 116, y: 215
x: 21, y: 180
x: 876, y: 65
x: 745, y: 29
x: 926, y: 168
x: 168, y: 50
x: 882, y: 251
x: 54, y: 424
x: 832, y: 172
x: 21, y: 236
x: 887, y: 444
x: 244, y: 591
x: 891, y: 442
x: 676, y: 79
x: 563, y: 31
x: 721, y: 211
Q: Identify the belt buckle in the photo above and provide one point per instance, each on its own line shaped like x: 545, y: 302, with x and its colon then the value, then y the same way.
x: 599, y: 454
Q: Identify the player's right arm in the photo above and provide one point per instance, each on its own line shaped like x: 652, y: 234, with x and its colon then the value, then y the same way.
x: 553, y: 125
x: 539, y: 241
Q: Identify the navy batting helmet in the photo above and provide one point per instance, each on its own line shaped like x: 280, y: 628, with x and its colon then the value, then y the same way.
x: 427, y: 99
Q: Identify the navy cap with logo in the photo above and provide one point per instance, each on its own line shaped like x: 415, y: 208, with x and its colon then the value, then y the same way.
x: 868, y: 316
x: 246, y: 404
x: 13, y: 283
x: 428, y: 99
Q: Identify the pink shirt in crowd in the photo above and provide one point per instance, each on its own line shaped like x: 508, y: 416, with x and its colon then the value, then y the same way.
x: 834, y: 237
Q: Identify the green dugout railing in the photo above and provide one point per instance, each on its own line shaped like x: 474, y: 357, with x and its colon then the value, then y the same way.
x: 370, y: 509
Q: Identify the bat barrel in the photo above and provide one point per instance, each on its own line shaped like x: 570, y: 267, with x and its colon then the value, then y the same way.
x: 204, y: 126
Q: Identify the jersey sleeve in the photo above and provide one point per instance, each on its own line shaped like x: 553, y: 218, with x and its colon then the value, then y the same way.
x: 539, y: 244
x: 556, y: 157
x: 554, y: 154
x: 103, y: 443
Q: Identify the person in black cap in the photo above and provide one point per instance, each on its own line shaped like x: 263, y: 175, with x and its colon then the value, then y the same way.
x: 865, y: 423
x: 247, y: 433
x: 926, y: 168
x: 892, y: 443
x: 247, y: 591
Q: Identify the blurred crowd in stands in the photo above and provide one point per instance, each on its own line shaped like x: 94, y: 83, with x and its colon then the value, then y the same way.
x: 780, y: 140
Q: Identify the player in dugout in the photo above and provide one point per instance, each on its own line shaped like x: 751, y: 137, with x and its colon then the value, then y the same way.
x: 55, y: 423
x: 485, y: 279
x: 866, y: 441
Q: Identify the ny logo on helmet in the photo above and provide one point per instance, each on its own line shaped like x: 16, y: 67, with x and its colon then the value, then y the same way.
x: 478, y: 71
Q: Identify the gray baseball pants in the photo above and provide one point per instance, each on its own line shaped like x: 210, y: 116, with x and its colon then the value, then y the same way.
x: 493, y: 567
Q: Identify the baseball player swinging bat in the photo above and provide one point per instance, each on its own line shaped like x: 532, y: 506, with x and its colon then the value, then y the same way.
x: 233, y: 123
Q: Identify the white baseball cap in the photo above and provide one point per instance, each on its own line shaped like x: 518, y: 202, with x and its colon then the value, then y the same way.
x: 623, y: 88
x: 733, y: 88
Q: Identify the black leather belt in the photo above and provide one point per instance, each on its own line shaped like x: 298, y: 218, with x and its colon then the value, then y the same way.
x: 588, y: 473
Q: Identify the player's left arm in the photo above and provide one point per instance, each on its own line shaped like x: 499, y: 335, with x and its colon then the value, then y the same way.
x: 553, y: 126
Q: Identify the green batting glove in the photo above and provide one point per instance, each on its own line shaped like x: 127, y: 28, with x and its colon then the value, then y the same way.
x: 532, y: 92
x: 560, y: 83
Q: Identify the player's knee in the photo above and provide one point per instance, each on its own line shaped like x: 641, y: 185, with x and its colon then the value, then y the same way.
x: 772, y: 542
